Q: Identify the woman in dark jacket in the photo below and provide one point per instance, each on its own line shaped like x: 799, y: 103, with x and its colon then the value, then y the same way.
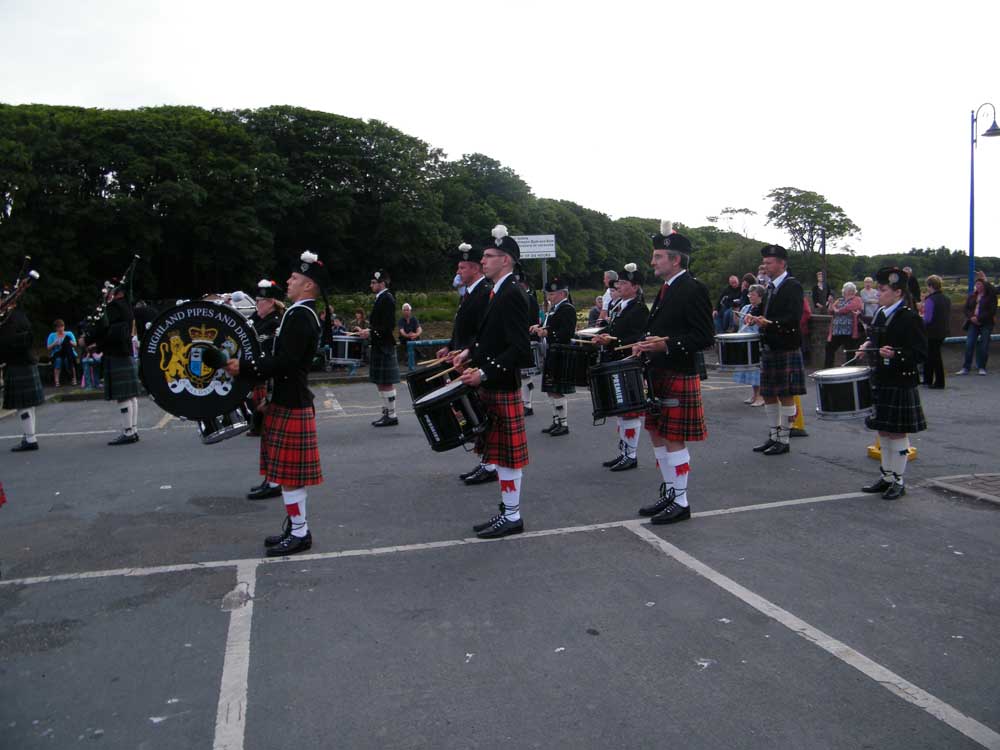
x: 980, y: 314
x: 936, y: 314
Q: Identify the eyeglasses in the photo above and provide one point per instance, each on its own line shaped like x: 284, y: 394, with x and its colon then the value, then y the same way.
x: 491, y: 255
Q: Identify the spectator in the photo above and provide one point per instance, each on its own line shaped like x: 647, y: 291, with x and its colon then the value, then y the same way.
x: 723, y: 312
x: 869, y: 300
x: 359, y: 323
x: 755, y: 295
x: 980, y: 313
x: 804, y: 328
x: 90, y: 361
x: 338, y: 327
x: 937, y: 315
x: 610, y: 277
x: 912, y: 285
x: 762, y: 278
x: 821, y: 294
x: 748, y: 280
x: 844, y: 326
x: 62, y: 350
x: 595, y: 311
x: 409, y: 326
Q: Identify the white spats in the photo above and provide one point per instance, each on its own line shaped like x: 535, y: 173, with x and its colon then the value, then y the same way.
x: 125, y: 409
x: 28, y: 424
x: 787, y: 416
x: 390, y: 402
x: 295, y: 507
x: 663, y: 464
x: 527, y: 388
x: 510, y: 492
x: 773, y: 414
x: 679, y: 464
x: 135, y: 414
x: 560, y: 408
x: 894, y: 456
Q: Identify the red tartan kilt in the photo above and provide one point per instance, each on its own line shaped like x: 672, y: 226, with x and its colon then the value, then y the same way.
x: 289, y: 449
x: 686, y: 421
x: 505, y: 443
x: 259, y: 394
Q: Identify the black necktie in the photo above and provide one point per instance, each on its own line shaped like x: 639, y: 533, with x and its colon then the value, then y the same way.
x: 770, y: 294
x: 879, y: 317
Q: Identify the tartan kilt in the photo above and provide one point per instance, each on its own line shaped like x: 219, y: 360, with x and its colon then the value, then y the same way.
x: 897, y: 409
x: 384, y: 367
x: 686, y: 421
x: 289, y: 447
x: 505, y: 442
x: 22, y: 387
x: 259, y: 394
x: 121, y: 381
x: 782, y: 373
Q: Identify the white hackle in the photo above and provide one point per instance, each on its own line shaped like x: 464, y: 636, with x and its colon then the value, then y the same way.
x: 464, y: 247
x: 631, y: 267
x: 499, y: 232
x: 666, y: 227
x: 308, y: 257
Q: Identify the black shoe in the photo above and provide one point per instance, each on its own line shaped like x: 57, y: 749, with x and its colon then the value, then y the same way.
x: 895, y: 491
x: 528, y: 411
x: 777, y: 449
x: 252, y: 432
x: 625, y: 464
x: 880, y: 485
x: 502, y: 527
x: 468, y: 474
x: 666, y: 498
x: 797, y: 432
x: 24, y: 445
x: 263, y: 493
x: 560, y: 429
x: 548, y: 430
x: 385, y: 421
x: 286, y: 530
x: 291, y: 545
x: 124, y: 439
x: 764, y: 446
x: 482, y: 476
x: 613, y: 461
x: 673, y: 513
x: 260, y: 486
x: 483, y: 526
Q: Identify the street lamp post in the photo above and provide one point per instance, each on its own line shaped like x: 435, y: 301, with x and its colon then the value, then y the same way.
x: 993, y: 131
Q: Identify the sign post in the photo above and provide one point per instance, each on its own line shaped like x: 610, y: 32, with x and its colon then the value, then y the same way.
x: 537, y: 246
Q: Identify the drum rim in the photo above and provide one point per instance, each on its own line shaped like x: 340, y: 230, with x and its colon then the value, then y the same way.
x: 455, y: 386
x: 842, y: 374
x: 737, y: 337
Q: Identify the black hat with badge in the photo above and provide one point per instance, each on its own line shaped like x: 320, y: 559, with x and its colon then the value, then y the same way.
x: 668, y: 239
x: 557, y: 285
x: 267, y: 289
x: 774, y: 251
x: 382, y: 276
x: 467, y: 252
x: 310, y: 266
x: 892, y: 277
x: 631, y: 273
x: 505, y: 242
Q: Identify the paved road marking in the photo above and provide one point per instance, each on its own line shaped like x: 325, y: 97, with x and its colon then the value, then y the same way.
x: 163, y: 421
x: 74, y: 434
x: 891, y: 681
x: 369, y: 551
x: 331, y: 403
x: 231, y: 716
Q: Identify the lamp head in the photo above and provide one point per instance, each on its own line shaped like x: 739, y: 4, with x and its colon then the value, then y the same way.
x: 993, y: 130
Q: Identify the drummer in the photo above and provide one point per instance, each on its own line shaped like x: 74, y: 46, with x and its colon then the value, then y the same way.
x: 493, y: 365
x: 897, y: 333
x: 265, y: 320
x: 627, y: 324
x: 679, y: 327
x: 558, y: 328
x: 782, y: 376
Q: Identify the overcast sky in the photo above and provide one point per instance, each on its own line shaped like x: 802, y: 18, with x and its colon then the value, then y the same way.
x: 648, y: 109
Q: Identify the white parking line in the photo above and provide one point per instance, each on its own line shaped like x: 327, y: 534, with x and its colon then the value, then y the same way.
x: 231, y: 716
x: 889, y: 680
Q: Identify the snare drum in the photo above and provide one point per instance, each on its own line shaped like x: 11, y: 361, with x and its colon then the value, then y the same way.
x: 418, y: 381
x: 617, y: 388
x: 566, y: 367
x: 536, y: 358
x: 843, y: 393
x: 346, y: 350
x: 225, y: 426
x: 738, y: 352
x: 451, y: 415
x: 589, y: 333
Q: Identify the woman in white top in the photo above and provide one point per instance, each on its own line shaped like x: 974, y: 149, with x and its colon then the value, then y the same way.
x: 869, y: 300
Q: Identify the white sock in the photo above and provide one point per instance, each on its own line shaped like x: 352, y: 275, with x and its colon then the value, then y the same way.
x: 390, y: 402
x: 125, y: 407
x: 135, y: 414
x: 560, y: 409
x: 510, y: 492
x: 490, y: 467
x: 662, y: 463
x: 630, y: 436
x: 896, y: 459
x: 526, y: 389
x: 28, y: 424
x: 679, y: 463
x: 773, y: 414
x: 295, y: 507
x: 787, y: 417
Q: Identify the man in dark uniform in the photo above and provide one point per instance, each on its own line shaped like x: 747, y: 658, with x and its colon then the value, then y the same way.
x: 121, y: 380
x: 22, y: 386
x: 493, y: 365
x: 782, y: 376
x: 681, y: 322
x: 265, y: 320
x: 558, y: 328
x: 528, y: 376
x: 627, y: 324
x: 471, y: 310
x: 289, y: 449
x: 384, y: 367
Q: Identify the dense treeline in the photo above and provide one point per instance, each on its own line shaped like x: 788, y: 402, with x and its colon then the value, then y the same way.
x: 213, y: 200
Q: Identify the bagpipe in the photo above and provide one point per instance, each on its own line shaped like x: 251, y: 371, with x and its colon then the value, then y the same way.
x: 96, y: 323
x: 11, y: 297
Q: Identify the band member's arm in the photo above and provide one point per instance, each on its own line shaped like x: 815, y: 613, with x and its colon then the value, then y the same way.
x: 785, y: 320
x: 518, y: 352
x: 299, y: 335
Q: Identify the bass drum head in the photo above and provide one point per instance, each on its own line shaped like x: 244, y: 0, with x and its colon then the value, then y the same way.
x: 171, y: 365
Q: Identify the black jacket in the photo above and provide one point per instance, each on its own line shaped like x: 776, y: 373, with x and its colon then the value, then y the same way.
x: 265, y: 328
x: 561, y: 323
x: 684, y: 313
x: 628, y: 327
x: 502, y: 346
x: 15, y: 340
x: 988, y: 317
x: 470, y: 314
x: 939, y: 324
x: 295, y: 347
x: 382, y: 322
x: 905, y: 333
x: 784, y: 309
x: 114, y: 333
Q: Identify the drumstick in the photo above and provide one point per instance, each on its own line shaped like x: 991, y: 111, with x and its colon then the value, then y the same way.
x: 651, y: 339
x: 443, y: 372
x: 583, y: 341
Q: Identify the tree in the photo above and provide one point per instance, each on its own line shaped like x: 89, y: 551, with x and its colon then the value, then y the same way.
x: 805, y: 215
x: 733, y: 214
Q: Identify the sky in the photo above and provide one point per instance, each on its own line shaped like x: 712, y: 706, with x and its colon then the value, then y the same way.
x: 661, y: 110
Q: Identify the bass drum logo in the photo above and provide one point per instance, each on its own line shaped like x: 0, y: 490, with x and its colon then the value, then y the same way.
x: 182, y: 366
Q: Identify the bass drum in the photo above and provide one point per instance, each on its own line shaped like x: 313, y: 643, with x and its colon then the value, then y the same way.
x: 172, y: 369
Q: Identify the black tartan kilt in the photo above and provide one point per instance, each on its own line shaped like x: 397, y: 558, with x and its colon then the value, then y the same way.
x: 384, y: 367
x: 22, y: 387
x: 121, y: 380
x: 897, y: 409
x: 781, y: 373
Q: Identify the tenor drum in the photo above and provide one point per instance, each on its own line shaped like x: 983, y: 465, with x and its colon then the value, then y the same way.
x: 617, y: 388
x: 419, y: 382
x: 224, y: 426
x: 843, y: 393
x: 738, y: 352
x: 567, y: 365
x: 536, y: 358
x: 346, y: 350
x: 451, y: 416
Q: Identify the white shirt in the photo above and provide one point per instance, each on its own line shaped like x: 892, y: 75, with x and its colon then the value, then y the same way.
x: 777, y: 281
x: 498, y: 284
x: 474, y: 284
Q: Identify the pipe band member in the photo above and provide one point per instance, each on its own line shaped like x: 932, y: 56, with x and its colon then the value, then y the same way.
x: 22, y: 390
x: 383, y: 369
x: 559, y: 327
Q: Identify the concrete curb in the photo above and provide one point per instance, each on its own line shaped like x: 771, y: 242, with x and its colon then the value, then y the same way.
x: 952, y: 485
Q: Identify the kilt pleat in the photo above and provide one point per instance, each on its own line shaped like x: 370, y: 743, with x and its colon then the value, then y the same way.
x: 289, y: 447
x: 384, y: 367
x: 505, y: 443
x: 897, y: 409
x: 22, y: 387
x: 686, y: 420
x: 121, y: 380
x: 782, y: 373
